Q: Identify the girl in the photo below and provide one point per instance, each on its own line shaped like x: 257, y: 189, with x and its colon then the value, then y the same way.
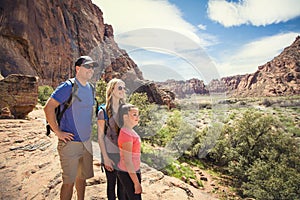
x: 130, y: 152
x: 108, y: 136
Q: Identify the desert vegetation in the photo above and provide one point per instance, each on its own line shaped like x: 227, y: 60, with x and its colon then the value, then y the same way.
x: 254, y: 145
x: 250, y: 145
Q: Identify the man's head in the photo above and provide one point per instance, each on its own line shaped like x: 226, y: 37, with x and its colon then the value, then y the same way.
x: 85, y: 67
x: 85, y: 61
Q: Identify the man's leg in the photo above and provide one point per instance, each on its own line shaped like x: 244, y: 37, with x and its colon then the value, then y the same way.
x: 69, y: 168
x: 66, y: 191
x: 80, y: 187
x: 85, y: 168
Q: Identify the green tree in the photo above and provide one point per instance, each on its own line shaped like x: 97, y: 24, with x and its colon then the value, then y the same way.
x: 169, y: 129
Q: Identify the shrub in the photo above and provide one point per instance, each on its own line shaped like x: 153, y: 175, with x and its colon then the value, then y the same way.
x: 262, y: 158
x: 178, y: 170
x: 44, y: 92
x: 266, y: 102
x: 101, y: 91
x: 169, y: 130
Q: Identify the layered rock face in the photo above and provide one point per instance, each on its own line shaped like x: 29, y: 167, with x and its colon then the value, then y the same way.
x: 18, y: 95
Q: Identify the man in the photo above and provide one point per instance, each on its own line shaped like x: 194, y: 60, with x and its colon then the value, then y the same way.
x: 74, y: 130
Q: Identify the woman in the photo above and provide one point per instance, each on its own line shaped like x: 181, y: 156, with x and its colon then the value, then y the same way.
x: 108, y: 136
x: 130, y: 152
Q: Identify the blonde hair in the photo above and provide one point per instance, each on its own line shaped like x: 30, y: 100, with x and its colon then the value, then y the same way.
x: 109, y: 91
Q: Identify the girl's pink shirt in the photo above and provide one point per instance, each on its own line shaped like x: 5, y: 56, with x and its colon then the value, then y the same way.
x: 130, y: 136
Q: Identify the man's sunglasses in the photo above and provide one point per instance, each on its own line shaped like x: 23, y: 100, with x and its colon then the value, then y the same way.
x: 121, y: 88
x: 90, y: 66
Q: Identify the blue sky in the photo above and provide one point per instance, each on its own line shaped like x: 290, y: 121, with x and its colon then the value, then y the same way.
x: 205, y: 39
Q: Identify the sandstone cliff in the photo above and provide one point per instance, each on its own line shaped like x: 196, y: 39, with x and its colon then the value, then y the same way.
x: 278, y: 77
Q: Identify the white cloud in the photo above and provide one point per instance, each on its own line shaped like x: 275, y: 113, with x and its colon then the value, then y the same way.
x: 133, y: 21
x: 190, y: 59
x: 202, y: 27
x: 256, y: 53
x: 255, y: 12
x: 129, y: 15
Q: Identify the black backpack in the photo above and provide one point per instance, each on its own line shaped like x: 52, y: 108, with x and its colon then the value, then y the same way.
x: 59, y: 113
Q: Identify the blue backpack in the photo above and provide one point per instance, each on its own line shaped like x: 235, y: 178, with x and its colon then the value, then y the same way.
x: 106, y: 118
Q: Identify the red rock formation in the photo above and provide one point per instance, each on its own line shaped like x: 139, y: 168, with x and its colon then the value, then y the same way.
x: 43, y: 38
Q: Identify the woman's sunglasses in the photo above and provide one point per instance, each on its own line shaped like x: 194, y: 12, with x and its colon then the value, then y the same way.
x: 121, y: 88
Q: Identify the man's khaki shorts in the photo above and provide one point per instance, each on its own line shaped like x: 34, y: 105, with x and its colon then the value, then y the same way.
x: 76, y: 159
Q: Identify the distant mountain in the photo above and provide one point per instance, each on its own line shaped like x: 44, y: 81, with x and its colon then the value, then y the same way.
x: 184, y: 88
x: 278, y: 77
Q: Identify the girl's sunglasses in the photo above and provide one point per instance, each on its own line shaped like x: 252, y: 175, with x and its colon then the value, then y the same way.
x: 121, y: 88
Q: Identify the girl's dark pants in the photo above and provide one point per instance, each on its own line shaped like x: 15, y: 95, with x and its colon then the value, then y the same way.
x: 128, y: 185
x: 113, y: 180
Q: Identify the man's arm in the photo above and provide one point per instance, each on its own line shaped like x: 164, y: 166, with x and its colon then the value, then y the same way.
x: 49, y: 110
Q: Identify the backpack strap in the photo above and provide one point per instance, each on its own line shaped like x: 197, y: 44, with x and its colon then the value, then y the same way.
x: 70, y: 100
x: 103, y: 107
x: 94, y: 97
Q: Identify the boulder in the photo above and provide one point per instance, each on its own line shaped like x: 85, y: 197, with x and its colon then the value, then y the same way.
x: 19, y: 95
